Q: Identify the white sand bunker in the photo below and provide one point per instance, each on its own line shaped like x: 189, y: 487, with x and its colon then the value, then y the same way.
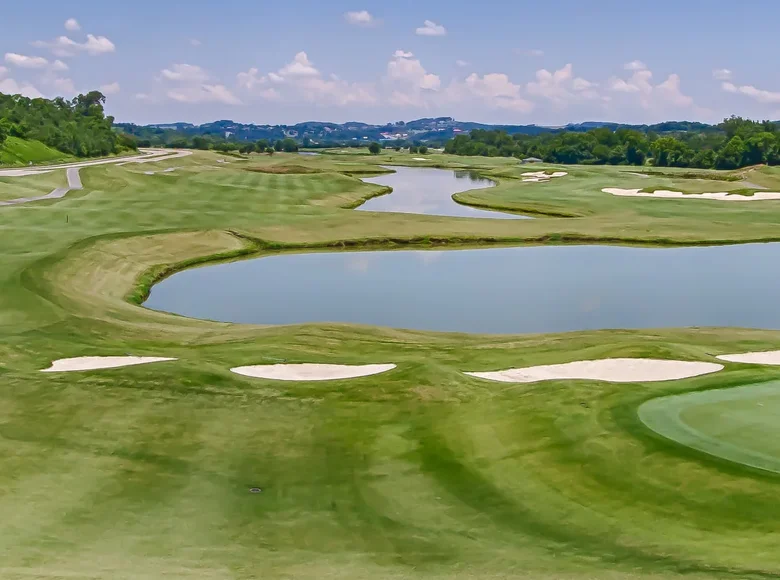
x: 541, y: 176
x: 612, y: 370
x: 770, y: 357
x: 310, y: 371
x: 89, y: 363
x: 721, y: 196
x: 420, y: 159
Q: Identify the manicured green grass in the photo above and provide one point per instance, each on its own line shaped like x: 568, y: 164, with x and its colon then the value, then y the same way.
x: 31, y: 185
x: 421, y: 472
x: 738, y: 424
x: 17, y: 151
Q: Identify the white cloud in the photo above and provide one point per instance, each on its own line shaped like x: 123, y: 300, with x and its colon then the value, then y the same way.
x: 58, y: 65
x: 11, y: 87
x: 430, y: 28
x: 3, y: 71
x: 360, y: 18
x: 405, y: 69
x: 143, y: 97
x: 72, y: 24
x: 203, y: 93
x: 496, y: 90
x: 461, y: 63
x: 300, y: 80
x: 561, y: 87
x: 658, y: 97
x: 721, y: 74
x: 110, y: 89
x: 185, y: 73
x: 760, y: 95
x: 635, y: 65
x: 300, y: 66
x: 195, y: 42
x: 23, y: 61
x: 64, y: 46
x: 250, y: 79
x: 530, y: 52
x: 64, y: 86
x: 670, y: 92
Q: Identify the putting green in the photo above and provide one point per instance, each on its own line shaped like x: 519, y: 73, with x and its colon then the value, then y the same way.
x: 738, y: 424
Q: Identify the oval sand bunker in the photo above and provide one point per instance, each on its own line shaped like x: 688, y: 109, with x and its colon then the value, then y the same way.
x: 89, y: 363
x: 612, y: 370
x: 721, y: 195
x: 310, y: 371
x: 770, y: 357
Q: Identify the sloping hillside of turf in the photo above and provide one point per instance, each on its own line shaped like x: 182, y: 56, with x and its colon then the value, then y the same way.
x: 17, y: 151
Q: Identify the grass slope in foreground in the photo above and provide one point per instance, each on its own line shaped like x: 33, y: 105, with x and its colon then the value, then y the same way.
x: 419, y: 473
x: 741, y: 424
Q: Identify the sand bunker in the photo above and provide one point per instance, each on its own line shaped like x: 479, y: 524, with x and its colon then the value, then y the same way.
x: 420, y: 159
x: 770, y: 357
x: 721, y: 196
x: 88, y: 363
x: 310, y: 371
x: 612, y: 370
x: 541, y: 176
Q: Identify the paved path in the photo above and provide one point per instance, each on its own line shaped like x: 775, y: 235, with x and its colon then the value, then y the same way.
x: 74, y: 182
x: 72, y: 171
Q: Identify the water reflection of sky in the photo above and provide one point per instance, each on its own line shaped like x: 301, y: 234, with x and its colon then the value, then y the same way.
x: 495, y: 290
x: 429, y: 191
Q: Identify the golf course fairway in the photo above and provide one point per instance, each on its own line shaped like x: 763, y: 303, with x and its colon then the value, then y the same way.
x: 185, y: 470
x: 741, y: 424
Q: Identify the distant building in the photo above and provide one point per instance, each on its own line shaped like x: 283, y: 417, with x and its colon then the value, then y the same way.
x: 531, y: 160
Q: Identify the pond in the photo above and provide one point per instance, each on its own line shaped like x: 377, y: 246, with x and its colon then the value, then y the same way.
x: 496, y: 290
x: 429, y: 191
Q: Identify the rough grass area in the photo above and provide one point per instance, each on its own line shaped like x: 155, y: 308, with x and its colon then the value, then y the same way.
x: 422, y: 472
x: 16, y: 152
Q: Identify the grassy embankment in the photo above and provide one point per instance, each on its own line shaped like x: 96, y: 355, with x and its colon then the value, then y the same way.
x: 20, y: 152
x: 421, y: 472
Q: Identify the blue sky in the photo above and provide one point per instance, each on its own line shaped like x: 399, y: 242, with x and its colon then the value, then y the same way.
x: 548, y: 62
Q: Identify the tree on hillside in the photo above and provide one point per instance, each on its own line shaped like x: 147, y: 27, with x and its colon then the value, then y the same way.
x: 200, y: 142
x: 4, y: 130
x: 77, y: 127
x: 375, y: 148
x: 289, y: 146
x: 731, y: 156
x: 262, y: 145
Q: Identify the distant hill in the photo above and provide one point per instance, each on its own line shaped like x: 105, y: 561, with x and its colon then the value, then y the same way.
x: 431, y: 130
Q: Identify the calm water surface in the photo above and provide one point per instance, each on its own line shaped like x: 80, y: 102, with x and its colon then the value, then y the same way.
x: 429, y: 191
x: 505, y: 290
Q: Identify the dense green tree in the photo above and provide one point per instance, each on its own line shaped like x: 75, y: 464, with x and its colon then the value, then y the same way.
x: 673, y: 144
x: 279, y: 145
x: 200, y: 142
x: 413, y: 149
x: 423, y: 149
x: 289, y: 146
x: 78, y: 126
x: 270, y: 150
x: 732, y: 155
x: 262, y: 145
x: 375, y: 148
x: 5, y: 129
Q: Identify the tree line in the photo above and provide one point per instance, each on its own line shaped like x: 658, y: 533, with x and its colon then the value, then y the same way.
x: 736, y: 142
x: 77, y: 127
